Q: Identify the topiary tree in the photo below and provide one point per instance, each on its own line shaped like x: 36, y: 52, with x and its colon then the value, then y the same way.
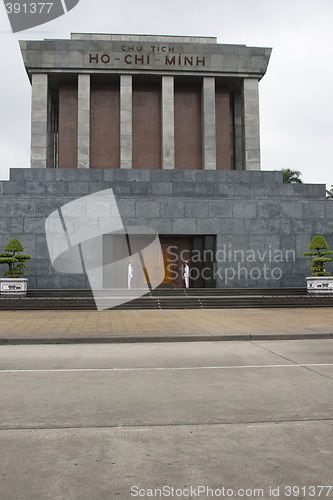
x: 319, y: 260
x: 16, y: 262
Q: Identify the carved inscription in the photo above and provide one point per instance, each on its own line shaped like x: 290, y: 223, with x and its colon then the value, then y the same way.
x: 138, y: 55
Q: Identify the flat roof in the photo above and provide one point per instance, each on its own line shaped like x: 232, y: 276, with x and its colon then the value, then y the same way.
x: 143, y: 38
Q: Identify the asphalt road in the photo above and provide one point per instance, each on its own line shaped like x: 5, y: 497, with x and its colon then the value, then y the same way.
x: 209, y: 419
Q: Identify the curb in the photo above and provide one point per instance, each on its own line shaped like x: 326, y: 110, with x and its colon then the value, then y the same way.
x: 174, y: 338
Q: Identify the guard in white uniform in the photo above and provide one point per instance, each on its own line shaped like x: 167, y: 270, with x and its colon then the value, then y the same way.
x: 129, y: 274
x: 186, y: 274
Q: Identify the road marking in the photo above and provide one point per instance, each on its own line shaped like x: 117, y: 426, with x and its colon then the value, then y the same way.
x: 178, y: 368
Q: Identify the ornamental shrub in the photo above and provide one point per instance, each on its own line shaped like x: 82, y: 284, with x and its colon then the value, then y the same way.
x: 14, y: 260
x: 317, y: 245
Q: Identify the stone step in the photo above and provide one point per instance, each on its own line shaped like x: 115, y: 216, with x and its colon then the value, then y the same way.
x: 170, y: 299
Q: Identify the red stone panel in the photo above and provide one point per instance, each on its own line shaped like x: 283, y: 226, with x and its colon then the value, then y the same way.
x: 147, y: 151
x: 68, y: 127
x: 105, y: 125
x: 188, y: 127
x: 223, y: 135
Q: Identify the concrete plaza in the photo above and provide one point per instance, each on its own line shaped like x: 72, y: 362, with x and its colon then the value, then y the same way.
x: 97, y: 422
x: 165, y: 325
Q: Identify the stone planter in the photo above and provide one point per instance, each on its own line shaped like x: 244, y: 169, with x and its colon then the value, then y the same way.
x: 317, y: 284
x: 13, y: 286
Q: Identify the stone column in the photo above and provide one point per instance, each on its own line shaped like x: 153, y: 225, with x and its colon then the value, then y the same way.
x: 251, y: 137
x: 238, y: 131
x: 39, y: 120
x: 168, y: 122
x: 208, y: 124
x: 83, y: 157
x: 125, y: 121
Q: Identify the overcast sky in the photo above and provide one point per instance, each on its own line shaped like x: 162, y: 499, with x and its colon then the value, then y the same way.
x: 296, y: 103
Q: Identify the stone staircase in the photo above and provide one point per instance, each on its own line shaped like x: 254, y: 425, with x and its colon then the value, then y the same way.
x: 162, y: 298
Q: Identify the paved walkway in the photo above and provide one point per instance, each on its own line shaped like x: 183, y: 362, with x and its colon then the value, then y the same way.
x: 164, y: 325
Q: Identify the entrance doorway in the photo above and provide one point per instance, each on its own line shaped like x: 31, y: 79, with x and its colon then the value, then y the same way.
x: 175, y: 250
x: 198, y: 250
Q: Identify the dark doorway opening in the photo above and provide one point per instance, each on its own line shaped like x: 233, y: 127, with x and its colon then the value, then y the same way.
x: 198, y: 250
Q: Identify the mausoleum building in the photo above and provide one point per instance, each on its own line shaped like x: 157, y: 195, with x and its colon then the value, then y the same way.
x: 171, y: 125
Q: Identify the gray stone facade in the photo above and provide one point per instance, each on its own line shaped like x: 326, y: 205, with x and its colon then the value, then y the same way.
x: 261, y: 226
